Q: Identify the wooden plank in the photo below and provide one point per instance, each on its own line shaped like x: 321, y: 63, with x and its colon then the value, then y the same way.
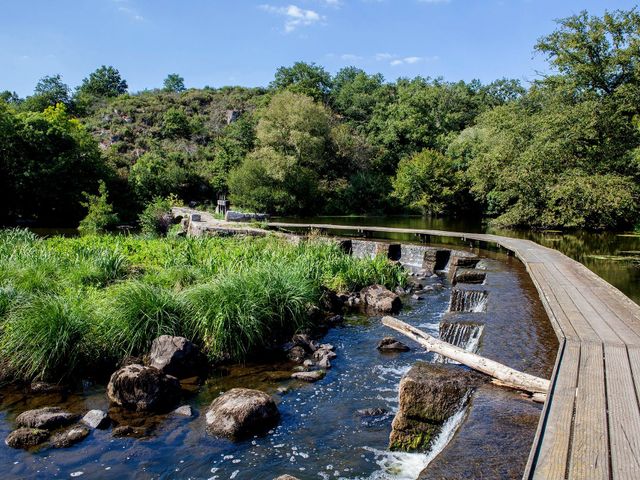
x: 589, y: 458
x: 552, y: 453
x: 624, y: 415
x: 560, y: 321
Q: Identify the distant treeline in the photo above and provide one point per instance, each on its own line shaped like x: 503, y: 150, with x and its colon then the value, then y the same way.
x: 562, y: 152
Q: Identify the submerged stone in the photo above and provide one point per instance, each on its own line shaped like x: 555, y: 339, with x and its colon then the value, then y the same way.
x: 310, y: 377
x: 70, y: 437
x: 26, y: 437
x: 241, y: 412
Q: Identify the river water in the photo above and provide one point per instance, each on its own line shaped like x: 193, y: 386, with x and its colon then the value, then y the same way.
x: 321, y: 434
x: 614, y: 256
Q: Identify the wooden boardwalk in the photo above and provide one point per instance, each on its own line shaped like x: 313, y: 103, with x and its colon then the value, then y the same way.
x: 590, y: 424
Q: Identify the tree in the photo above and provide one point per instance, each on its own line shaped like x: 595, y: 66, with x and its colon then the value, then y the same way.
x: 11, y: 98
x: 427, y: 181
x: 175, y: 123
x: 47, y: 159
x: 599, y: 54
x: 304, y: 78
x: 100, y: 217
x: 174, y: 83
x: 49, y: 91
x: 281, y: 175
x: 356, y: 94
x: 157, y: 174
x: 104, y: 82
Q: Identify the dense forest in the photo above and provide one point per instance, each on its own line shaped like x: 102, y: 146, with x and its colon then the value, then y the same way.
x: 560, y: 152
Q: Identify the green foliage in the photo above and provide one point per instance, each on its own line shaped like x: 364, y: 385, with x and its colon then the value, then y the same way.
x: 71, y: 305
x: 156, y: 218
x: 104, y: 82
x: 100, y: 216
x: 303, y: 78
x: 175, y: 123
x: 49, y: 91
x: 157, y: 175
x: 174, y: 83
x: 43, y: 338
x: 427, y: 181
x: 135, y: 313
x: 47, y: 159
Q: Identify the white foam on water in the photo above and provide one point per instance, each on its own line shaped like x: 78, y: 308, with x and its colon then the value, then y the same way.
x: 407, y: 466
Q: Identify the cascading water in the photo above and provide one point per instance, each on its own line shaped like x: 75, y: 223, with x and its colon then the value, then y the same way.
x: 464, y: 300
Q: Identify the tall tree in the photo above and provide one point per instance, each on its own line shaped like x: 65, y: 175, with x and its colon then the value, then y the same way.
x: 174, y: 83
x: 49, y: 91
x: 104, y: 82
x: 304, y: 78
x: 599, y: 54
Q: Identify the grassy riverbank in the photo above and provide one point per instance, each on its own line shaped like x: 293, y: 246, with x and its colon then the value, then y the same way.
x: 71, y: 305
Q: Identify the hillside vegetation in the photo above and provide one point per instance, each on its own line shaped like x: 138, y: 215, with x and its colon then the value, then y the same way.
x: 561, y: 152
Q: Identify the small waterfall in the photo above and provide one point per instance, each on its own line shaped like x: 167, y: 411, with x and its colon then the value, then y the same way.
x: 462, y: 334
x: 468, y: 300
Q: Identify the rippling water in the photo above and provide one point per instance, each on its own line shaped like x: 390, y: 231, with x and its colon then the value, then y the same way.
x: 320, y: 434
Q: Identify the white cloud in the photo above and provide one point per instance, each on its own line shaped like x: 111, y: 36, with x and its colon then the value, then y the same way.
x: 294, y: 16
x: 383, y: 56
x: 350, y: 57
x: 396, y: 60
x: 130, y: 12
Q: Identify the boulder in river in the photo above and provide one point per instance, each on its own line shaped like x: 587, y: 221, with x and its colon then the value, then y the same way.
x: 26, y: 437
x: 47, y: 418
x: 70, y: 437
x: 140, y: 388
x: 429, y: 395
x: 380, y: 299
x: 175, y: 356
x: 241, y: 412
x: 286, y: 477
x: 390, y: 344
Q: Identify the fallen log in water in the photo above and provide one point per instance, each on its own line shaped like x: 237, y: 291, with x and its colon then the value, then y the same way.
x: 503, y: 375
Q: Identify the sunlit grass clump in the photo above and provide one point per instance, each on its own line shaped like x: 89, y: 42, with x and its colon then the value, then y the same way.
x: 71, y: 305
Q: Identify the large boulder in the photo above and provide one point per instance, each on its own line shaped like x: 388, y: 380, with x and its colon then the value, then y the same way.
x: 26, y: 437
x: 140, y: 388
x: 380, y: 299
x: 47, y: 418
x: 175, y: 356
x: 429, y: 395
x: 241, y: 412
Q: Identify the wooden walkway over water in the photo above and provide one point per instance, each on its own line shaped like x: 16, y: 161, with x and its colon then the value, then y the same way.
x: 590, y: 424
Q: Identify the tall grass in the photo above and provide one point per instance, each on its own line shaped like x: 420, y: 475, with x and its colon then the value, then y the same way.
x: 44, y: 338
x: 70, y: 303
x: 241, y: 310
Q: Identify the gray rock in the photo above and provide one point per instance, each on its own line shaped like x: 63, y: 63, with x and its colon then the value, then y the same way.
x: 96, y: 419
x: 175, y: 356
x: 308, y: 363
x: 286, y: 477
x: 140, y: 388
x: 372, y: 412
x: 232, y: 216
x: 184, y: 410
x: 69, y: 437
x: 310, y: 377
x: 429, y: 395
x: 44, y: 387
x: 416, y: 297
x: 26, y: 437
x: 303, y: 340
x: 380, y: 299
x: 47, y: 418
x: 390, y: 344
x: 296, y: 354
x: 241, y: 412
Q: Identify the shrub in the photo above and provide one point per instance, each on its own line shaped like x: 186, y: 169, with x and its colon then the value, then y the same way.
x: 100, y: 216
x: 43, y: 338
x: 156, y: 217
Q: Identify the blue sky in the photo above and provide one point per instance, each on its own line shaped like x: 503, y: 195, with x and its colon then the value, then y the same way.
x: 242, y: 42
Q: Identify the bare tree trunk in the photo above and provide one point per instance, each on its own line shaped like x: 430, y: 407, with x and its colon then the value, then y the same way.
x: 501, y: 373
